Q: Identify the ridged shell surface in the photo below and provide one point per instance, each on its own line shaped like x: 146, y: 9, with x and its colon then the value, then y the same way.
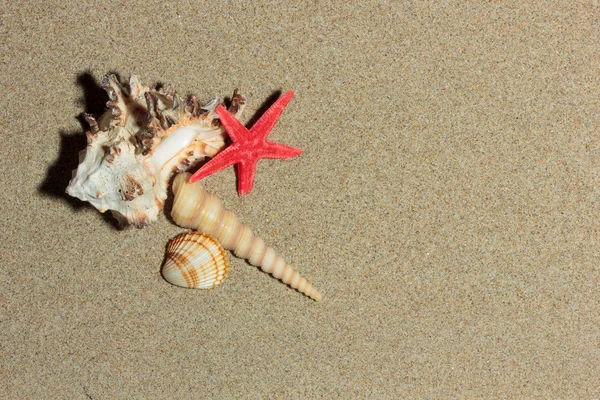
x: 134, y: 147
x: 195, y: 208
x: 195, y: 260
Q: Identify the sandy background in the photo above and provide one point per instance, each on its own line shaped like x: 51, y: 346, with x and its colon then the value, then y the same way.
x: 446, y: 204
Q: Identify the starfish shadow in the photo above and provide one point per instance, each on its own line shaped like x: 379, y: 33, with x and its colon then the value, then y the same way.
x: 59, y: 174
x: 264, y: 107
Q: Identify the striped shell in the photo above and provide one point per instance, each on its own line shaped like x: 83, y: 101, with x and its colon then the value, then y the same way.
x: 197, y: 209
x: 195, y: 260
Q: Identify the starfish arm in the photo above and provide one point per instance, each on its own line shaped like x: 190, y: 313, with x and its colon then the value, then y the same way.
x: 236, y: 131
x: 224, y: 159
x: 266, y: 122
x: 245, y: 174
x: 278, y: 150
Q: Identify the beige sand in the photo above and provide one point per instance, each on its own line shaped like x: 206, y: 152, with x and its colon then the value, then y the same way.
x: 446, y: 204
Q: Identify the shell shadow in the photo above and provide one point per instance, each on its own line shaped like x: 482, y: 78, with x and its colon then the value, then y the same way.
x: 168, y: 206
x: 58, y: 175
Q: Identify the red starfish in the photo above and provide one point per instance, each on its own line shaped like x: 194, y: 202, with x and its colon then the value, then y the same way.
x: 248, y: 146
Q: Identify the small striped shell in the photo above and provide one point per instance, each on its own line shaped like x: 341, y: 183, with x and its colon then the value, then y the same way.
x: 195, y: 260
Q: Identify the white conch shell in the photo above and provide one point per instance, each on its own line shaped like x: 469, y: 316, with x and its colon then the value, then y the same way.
x: 145, y: 136
x: 195, y: 260
x: 197, y: 209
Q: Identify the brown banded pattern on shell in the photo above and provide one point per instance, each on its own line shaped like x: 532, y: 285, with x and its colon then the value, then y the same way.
x: 197, y: 209
x: 195, y: 260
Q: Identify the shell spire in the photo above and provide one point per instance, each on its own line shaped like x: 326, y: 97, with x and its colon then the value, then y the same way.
x: 197, y: 209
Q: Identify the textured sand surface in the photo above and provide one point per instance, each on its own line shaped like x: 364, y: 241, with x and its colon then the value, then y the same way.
x: 446, y: 203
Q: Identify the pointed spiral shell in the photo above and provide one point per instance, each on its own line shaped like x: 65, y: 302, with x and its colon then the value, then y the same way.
x: 197, y: 209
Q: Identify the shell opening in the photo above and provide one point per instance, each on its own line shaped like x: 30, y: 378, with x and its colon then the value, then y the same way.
x: 173, y: 145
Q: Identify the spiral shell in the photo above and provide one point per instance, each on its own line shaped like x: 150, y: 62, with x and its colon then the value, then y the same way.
x: 145, y: 136
x: 197, y: 209
x: 195, y: 260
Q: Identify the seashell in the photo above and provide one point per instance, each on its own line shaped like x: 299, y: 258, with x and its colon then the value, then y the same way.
x: 197, y: 209
x: 195, y: 260
x: 144, y: 136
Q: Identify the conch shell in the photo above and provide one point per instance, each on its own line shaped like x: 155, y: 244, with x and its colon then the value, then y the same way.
x: 197, y: 209
x: 145, y: 136
x: 195, y: 260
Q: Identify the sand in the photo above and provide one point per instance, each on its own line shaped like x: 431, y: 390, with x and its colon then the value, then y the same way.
x: 446, y: 203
